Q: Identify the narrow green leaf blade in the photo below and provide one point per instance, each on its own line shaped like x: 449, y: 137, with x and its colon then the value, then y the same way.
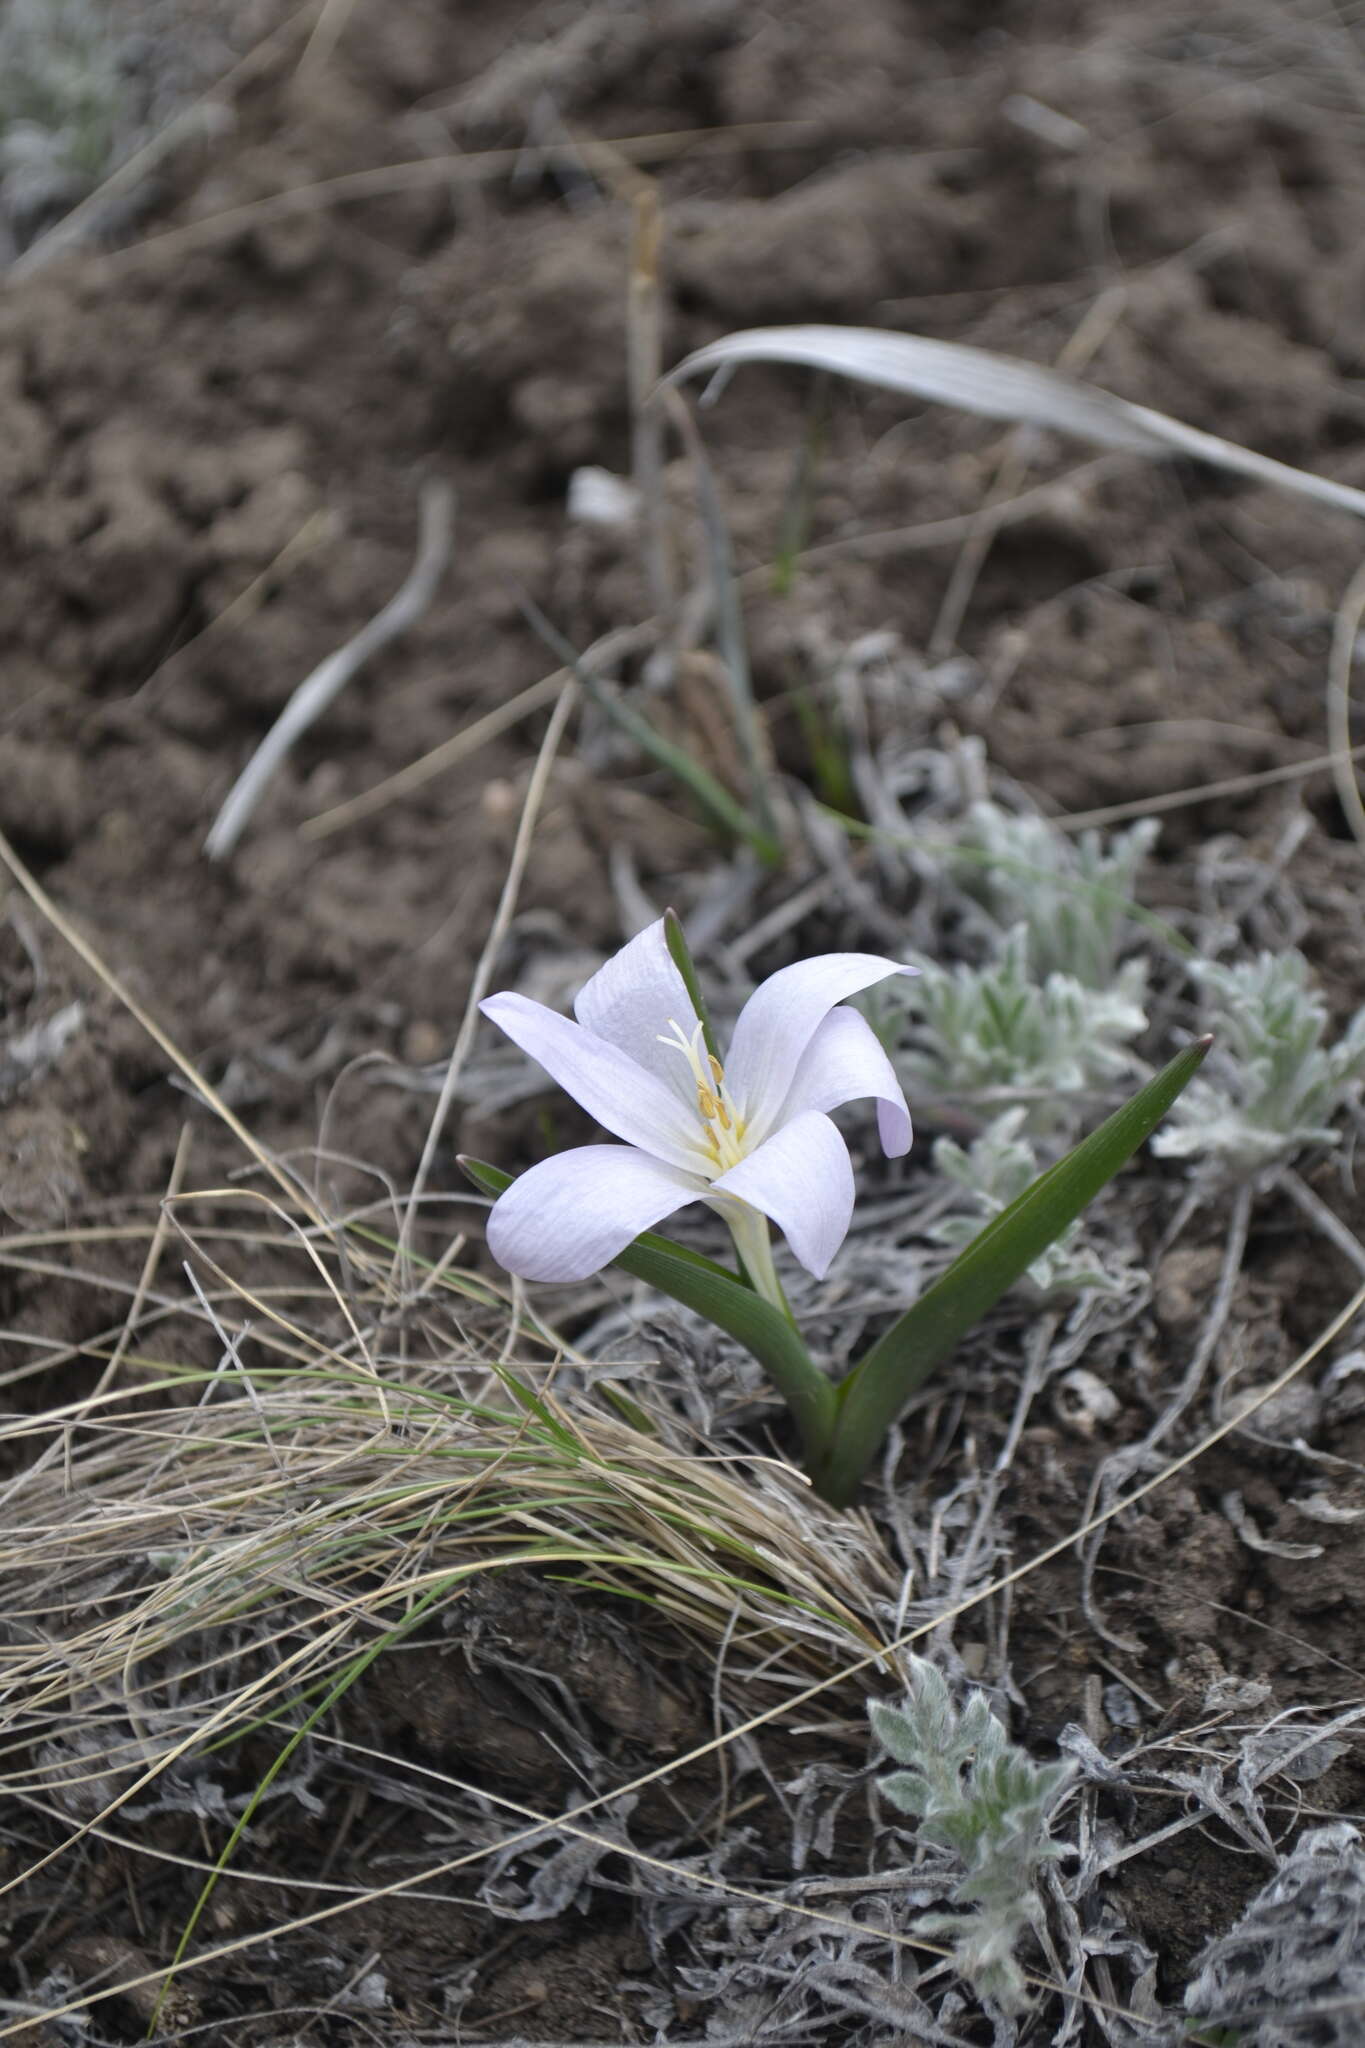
x: 680, y: 954
x: 707, y: 1288
x: 879, y: 1386
x: 710, y: 793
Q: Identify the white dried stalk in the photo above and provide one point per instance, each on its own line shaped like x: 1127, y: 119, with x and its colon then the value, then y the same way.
x: 1003, y: 388
x: 331, y: 676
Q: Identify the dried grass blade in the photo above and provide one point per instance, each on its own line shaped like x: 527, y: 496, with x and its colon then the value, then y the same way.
x: 1003, y: 388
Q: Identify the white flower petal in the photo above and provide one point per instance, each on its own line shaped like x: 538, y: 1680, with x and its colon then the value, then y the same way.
x: 571, y: 1215
x: 845, y: 1062
x: 780, y: 1019
x: 802, y: 1177
x: 626, y: 1099
x: 630, y: 1000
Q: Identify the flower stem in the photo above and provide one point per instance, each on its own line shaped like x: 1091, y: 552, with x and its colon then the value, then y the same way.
x: 749, y: 1229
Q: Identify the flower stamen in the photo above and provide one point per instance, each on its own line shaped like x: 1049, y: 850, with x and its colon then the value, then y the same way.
x: 722, y: 1131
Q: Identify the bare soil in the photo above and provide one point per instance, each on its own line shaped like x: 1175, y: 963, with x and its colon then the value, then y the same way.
x: 212, y: 440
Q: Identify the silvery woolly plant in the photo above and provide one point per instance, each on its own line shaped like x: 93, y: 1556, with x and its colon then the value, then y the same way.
x: 750, y: 1135
x: 1279, y: 1086
x: 999, y: 1030
x: 1053, y: 1010
x: 1290, y: 1973
x: 983, y: 1801
x: 1073, y: 898
x: 61, y: 95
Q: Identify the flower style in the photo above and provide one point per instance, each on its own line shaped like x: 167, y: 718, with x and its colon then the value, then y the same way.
x: 752, y: 1138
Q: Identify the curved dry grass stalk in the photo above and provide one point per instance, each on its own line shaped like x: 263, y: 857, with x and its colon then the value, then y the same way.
x: 1345, y: 634
x: 1007, y: 388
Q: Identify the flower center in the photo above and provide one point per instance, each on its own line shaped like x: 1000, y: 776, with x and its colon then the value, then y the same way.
x: 722, y: 1128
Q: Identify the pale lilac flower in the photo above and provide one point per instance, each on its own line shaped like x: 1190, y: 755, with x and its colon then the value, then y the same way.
x: 751, y: 1138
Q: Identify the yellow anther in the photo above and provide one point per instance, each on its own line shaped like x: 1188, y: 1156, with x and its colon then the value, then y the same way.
x: 722, y: 1132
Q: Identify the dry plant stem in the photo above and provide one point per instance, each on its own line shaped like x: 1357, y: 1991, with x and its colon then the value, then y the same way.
x: 289, y: 1224
x: 936, y: 533
x: 626, y: 640
x: 1202, y: 792
x: 232, y: 1359
x: 1010, y: 473
x: 948, y: 532
x: 407, y: 1885
x: 328, y: 30
x: 1345, y: 632
x: 459, y: 167
x: 318, y: 527
x: 644, y: 359
x: 1318, y: 1213
x: 331, y: 676
x: 1030, y: 1386
x: 483, y: 973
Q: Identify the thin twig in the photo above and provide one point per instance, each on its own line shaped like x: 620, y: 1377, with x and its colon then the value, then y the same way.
x: 460, y: 167
x: 483, y: 973
x: 1011, y: 470
x: 644, y: 359
x: 1318, y: 1213
x: 729, y: 619
x: 331, y: 676
x: 1117, y: 1469
x: 626, y: 640
x: 316, y: 528
x: 1201, y: 792
x: 328, y: 30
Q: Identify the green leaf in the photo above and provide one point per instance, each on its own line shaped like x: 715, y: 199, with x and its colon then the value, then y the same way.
x: 681, y: 956
x: 708, y: 1289
x: 882, y: 1382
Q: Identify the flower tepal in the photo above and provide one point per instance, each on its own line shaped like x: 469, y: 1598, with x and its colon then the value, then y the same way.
x: 751, y: 1135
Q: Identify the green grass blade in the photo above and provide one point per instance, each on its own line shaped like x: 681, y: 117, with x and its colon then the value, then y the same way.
x: 730, y: 641
x: 711, y: 794
x: 879, y: 1386
x: 681, y: 956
